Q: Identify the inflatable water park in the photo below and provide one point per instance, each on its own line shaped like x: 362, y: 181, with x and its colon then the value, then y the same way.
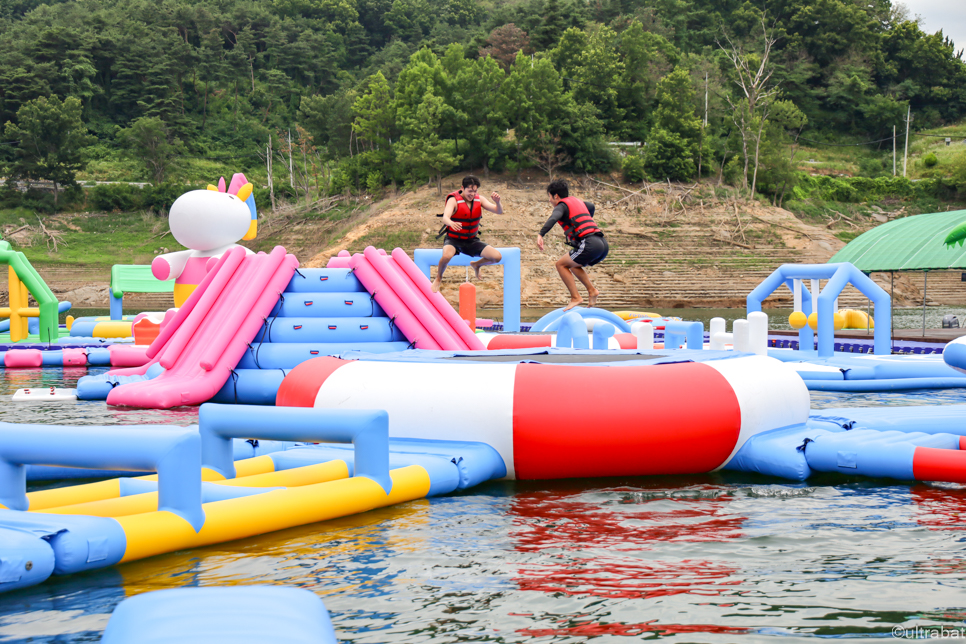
x: 323, y: 396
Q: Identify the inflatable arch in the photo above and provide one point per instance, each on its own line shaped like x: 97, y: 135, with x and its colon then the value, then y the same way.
x: 428, y: 257
x: 838, y: 276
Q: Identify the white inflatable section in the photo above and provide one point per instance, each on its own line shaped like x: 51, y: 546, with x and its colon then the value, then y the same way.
x: 612, y: 342
x: 49, y: 394
x: 770, y: 395
x: 451, y: 401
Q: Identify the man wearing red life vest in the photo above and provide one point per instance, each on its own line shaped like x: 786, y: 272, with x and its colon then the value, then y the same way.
x: 576, y: 217
x: 461, y: 219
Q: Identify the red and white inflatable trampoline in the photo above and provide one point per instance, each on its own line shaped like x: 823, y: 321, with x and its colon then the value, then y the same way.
x: 552, y: 421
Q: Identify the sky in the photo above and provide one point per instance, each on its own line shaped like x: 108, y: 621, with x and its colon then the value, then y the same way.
x: 948, y: 15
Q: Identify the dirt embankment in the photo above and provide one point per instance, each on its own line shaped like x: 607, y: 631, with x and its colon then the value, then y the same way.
x: 671, y: 246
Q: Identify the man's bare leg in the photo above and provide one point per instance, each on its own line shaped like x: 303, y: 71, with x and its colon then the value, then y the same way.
x: 448, y: 253
x: 592, y: 293
x: 490, y: 256
x: 564, y: 266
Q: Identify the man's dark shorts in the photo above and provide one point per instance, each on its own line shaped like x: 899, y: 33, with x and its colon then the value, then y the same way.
x: 590, y: 250
x: 472, y: 247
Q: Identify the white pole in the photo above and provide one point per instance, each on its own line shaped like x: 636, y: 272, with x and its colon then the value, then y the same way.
x: 758, y: 333
x: 291, y: 174
x: 740, y: 331
x: 893, y: 150
x: 905, y: 156
x: 797, y: 291
x: 645, y: 335
x: 716, y: 327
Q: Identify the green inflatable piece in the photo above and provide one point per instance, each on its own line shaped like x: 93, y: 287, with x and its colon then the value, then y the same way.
x: 956, y: 236
x: 46, y: 301
x: 127, y: 278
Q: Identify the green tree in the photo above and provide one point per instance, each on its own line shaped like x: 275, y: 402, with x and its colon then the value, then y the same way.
x: 420, y: 148
x: 51, y: 138
x: 672, y: 147
x: 149, y: 141
x: 481, y: 84
x: 375, y: 121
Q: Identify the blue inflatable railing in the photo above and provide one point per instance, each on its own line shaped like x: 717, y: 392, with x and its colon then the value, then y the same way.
x: 839, y: 276
x: 676, y: 332
x: 366, y: 429
x: 425, y: 258
x: 173, y: 452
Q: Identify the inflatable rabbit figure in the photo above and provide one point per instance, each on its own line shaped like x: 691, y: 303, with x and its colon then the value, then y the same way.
x: 208, y: 223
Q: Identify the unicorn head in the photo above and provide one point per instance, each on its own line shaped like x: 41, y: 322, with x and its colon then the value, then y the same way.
x: 207, y: 220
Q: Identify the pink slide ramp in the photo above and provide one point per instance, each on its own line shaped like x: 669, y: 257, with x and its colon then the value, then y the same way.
x: 405, y: 294
x: 211, y: 332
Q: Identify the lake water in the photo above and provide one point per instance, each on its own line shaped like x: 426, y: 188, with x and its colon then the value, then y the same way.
x: 713, y: 558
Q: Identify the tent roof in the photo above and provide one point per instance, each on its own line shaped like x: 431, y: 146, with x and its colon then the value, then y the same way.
x: 908, y: 244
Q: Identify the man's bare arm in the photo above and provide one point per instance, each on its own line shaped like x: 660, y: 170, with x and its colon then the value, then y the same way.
x: 496, y: 207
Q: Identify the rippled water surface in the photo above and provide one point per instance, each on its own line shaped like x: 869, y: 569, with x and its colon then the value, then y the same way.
x: 716, y: 558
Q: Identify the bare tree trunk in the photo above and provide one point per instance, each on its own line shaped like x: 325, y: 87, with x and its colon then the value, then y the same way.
x: 761, y: 128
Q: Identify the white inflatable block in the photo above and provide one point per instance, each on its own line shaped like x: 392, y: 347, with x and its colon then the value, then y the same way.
x: 717, y: 326
x: 758, y: 333
x: 645, y: 335
x: 42, y: 394
x: 740, y: 331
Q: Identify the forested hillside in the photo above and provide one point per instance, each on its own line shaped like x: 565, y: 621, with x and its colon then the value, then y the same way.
x: 354, y: 95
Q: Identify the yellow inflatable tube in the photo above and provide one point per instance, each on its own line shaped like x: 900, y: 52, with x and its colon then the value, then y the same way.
x: 111, y: 489
x: 154, y: 533
x: 141, y: 503
x: 855, y: 319
x: 630, y: 315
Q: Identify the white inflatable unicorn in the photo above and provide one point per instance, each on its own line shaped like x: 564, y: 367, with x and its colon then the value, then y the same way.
x: 208, y: 223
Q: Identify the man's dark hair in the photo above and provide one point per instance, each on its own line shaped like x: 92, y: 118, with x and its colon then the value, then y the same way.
x: 558, y: 188
x: 470, y: 181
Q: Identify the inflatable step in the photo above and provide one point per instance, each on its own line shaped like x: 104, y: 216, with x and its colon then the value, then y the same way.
x: 323, y: 305
x: 336, y: 329
x: 869, y: 452
x: 324, y: 280
x: 288, y: 355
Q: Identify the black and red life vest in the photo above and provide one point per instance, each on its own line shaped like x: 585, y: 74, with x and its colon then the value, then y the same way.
x: 468, y: 216
x: 579, y: 223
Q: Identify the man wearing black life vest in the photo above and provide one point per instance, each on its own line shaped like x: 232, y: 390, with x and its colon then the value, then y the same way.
x: 576, y: 218
x: 461, y: 219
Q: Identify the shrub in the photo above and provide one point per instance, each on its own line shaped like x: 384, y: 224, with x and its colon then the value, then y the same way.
x: 669, y: 156
x: 632, y: 168
x: 930, y: 160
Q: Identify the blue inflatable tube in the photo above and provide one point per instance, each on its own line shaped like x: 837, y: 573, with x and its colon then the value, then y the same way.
x: 78, y: 542
x: 894, y: 384
x: 222, y: 616
x: 949, y: 419
x: 27, y: 559
x: 869, y: 452
x: 288, y: 355
x: 324, y: 280
x: 353, y: 329
x: 97, y: 387
x: 551, y: 321
x: 776, y: 453
x: 326, y: 305
x: 251, y: 387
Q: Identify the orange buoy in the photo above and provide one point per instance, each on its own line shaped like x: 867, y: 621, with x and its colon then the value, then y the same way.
x: 468, y: 303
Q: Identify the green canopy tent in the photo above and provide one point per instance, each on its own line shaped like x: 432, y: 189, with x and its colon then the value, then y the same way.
x: 909, y: 244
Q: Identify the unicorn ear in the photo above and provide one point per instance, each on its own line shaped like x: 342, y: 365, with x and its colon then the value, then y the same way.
x: 213, y: 188
x: 221, y: 185
x: 245, y: 192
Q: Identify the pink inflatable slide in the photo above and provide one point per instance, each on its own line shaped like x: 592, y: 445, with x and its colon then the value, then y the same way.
x: 210, y: 332
x: 405, y: 294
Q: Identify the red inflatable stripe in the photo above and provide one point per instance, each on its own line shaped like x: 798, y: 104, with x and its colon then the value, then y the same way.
x: 522, y: 341
x: 932, y: 464
x: 626, y: 340
x: 572, y: 422
x: 300, y: 387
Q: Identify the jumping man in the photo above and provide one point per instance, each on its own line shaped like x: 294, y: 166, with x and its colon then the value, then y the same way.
x: 590, y: 247
x: 464, y: 209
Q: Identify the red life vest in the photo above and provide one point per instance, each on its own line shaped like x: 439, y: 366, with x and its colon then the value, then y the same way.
x: 468, y: 216
x: 579, y: 223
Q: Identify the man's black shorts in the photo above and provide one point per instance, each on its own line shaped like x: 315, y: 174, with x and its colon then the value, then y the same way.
x: 590, y: 250
x: 472, y: 247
